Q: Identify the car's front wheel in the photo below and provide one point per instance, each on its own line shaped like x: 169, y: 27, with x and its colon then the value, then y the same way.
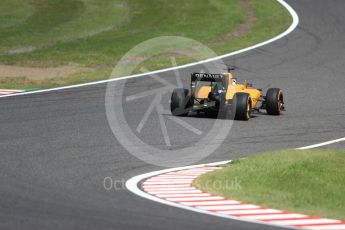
x: 274, y: 101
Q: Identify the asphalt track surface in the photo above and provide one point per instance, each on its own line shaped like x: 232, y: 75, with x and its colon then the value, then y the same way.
x: 56, y: 148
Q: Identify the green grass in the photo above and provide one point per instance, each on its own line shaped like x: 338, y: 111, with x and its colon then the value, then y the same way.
x: 49, y: 23
x: 309, y: 181
x: 97, y: 34
x: 13, y: 13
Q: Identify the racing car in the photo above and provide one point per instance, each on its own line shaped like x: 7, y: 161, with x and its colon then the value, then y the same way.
x: 221, y: 94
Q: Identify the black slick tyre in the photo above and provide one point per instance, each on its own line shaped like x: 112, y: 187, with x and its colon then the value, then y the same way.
x: 179, y: 102
x: 241, y: 106
x: 274, y: 101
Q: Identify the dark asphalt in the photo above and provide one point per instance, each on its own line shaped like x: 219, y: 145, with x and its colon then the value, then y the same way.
x: 56, y: 148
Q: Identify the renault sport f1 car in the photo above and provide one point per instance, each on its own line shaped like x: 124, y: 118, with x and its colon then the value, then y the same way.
x: 221, y: 94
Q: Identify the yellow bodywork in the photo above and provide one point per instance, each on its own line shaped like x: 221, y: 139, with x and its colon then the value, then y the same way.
x: 203, y: 91
x: 233, y: 88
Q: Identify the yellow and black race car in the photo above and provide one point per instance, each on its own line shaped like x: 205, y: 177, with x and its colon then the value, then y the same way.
x: 221, y: 94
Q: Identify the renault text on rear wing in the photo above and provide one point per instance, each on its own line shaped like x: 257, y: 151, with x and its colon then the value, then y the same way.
x: 207, y: 77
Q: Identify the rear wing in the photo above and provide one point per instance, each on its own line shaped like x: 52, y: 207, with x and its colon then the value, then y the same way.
x: 207, y: 77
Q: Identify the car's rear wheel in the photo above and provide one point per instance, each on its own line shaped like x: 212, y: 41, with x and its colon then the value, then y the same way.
x: 180, y: 102
x: 274, y: 101
x: 242, y: 106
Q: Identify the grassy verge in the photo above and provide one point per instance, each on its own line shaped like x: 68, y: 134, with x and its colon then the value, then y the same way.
x: 94, y: 34
x: 310, y: 181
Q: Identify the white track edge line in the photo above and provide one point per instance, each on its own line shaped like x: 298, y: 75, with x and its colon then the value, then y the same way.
x: 322, y: 144
x: 295, y: 21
